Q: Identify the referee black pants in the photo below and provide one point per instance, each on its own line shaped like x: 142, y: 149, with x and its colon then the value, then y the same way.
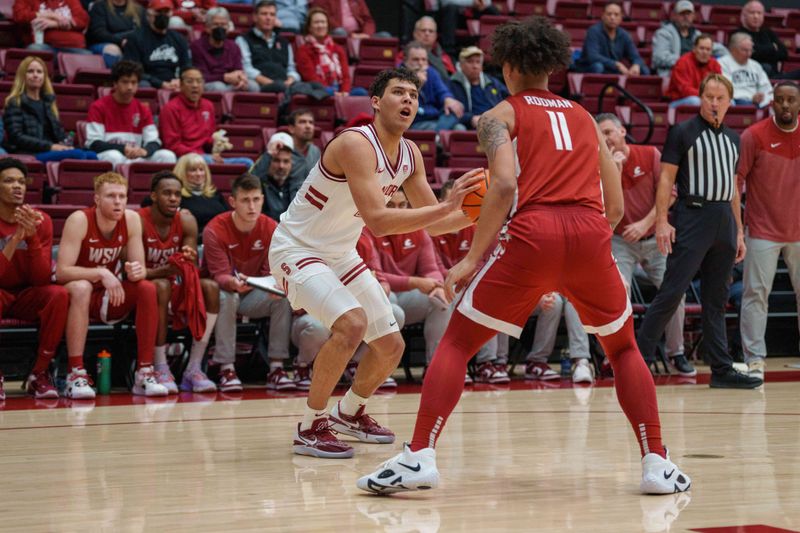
x: 705, y: 241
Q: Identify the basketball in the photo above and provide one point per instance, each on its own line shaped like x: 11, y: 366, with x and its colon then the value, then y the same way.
x: 473, y: 201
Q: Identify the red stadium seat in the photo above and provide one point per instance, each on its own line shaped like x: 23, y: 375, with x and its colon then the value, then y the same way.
x: 588, y: 87
x: 139, y: 175
x: 223, y: 175
x: 246, y: 139
x: 571, y: 9
x: 792, y: 20
x: 12, y: 57
x: 241, y: 15
x: 441, y: 175
x: 9, y: 34
x: 426, y: 142
x: 364, y: 74
x: 73, y: 103
x: 251, y: 108
x: 374, y: 51
x: 526, y: 8
x: 723, y: 15
x: 80, y: 68
x: 74, y: 178
x: 787, y: 36
x: 348, y: 107
x: 684, y: 112
x: 647, y: 10
x: 576, y: 29
x: 317, y: 140
x: 463, y: 149
x: 558, y: 81
x: 5, y: 89
x: 488, y: 23
x: 775, y: 20
x: 646, y: 88
x: 146, y: 95
x: 324, y: 110
x: 741, y: 117
x: 636, y: 122
x: 59, y: 214
x: 80, y: 134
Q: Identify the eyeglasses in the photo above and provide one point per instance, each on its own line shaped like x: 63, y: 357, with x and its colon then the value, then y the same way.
x: 426, y: 30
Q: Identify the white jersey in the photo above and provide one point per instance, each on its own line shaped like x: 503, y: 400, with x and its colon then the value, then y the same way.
x: 323, y: 215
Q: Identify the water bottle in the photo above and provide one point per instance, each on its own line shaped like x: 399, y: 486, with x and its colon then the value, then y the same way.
x: 104, y: 372
x: 566, y: 364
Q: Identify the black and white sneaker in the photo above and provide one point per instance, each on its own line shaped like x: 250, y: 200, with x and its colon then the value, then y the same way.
x: 661, y: 476
x: 404, y: 472
x: 682, y: 366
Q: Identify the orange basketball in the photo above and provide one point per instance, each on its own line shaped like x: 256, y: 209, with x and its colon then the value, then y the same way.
x: 473, y: 201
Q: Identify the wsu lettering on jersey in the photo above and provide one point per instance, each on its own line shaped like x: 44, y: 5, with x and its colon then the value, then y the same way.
x: 98, y: 251
x: 158, y: 250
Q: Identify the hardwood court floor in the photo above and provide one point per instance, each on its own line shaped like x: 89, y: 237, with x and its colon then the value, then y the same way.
x: 511, y: 460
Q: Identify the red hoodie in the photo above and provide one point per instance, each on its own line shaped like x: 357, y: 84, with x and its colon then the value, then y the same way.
x: 186, y: 128
x: 406, y: 255
x: 26, y: 10
x: 687, y: 75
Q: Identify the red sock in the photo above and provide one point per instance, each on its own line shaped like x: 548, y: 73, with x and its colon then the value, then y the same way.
x: 444, y: 380
x: 635, y: 388
x: 146, y: 322
x: 75, y: 361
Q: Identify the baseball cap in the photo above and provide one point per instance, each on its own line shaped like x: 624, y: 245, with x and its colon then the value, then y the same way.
x: 157, y: 5
x: 283, y: 138
x: 684, y: 5
x: 469, y: 51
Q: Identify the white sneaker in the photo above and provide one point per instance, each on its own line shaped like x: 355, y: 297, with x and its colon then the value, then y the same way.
x: 388, y: 383
x: 467, y: 379
x: 661, y: 476
x: 582, y: 372
x: 78, y: 386
x: 405, y: 471
x: 146, y: 383
x: 756, y: 368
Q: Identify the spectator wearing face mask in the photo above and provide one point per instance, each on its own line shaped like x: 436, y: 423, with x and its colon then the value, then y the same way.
x: 218, y: 58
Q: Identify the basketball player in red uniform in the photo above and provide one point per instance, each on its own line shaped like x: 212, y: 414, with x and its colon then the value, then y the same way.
x: 26, y: 240
x: 96, y: 243
x: 544, y: 153
x: 167, y: 230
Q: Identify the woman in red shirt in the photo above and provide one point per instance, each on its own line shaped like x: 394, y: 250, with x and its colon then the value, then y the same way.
x: 319, y: 58
x: 56, y: 25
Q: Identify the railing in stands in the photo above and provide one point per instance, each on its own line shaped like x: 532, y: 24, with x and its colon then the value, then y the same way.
x: 635, y: 100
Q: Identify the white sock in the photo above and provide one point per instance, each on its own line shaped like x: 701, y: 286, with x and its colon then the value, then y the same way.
x: 309, y: 415
x: 226, y: 366
x: 275, y: 365
x: 199, y: 346
x: 351, y: 402
x: 160, y: 357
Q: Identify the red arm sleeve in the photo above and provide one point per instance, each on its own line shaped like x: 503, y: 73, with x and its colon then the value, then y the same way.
x: 217, y: 260
x: 80, y: 18
x: 25, y: 11
x: 39, y: 252
x: 305, y: 64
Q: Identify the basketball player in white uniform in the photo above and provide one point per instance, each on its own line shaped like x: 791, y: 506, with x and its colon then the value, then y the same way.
x: 313, y: 257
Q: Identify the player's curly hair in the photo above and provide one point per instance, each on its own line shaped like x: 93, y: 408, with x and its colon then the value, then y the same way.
x: 531, y: 46
x: 381, y: 81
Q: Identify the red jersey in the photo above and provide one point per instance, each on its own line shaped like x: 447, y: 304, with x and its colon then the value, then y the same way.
x: 769, y: 167
x: 452, y: 247
x: 156, y: 249
x: 557, y: 153
x: 228, y: 251
x: 98, y: 251
x: 406, y: 255
x: 640, y: 175
x: 31, y: 263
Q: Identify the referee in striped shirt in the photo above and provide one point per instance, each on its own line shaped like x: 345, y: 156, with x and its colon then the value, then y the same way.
x: 701, y: 155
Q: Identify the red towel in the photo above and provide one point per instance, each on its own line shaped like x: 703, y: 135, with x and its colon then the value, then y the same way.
x: 188, y: 307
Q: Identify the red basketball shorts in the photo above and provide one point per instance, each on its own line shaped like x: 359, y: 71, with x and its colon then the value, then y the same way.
x: 566, y: 249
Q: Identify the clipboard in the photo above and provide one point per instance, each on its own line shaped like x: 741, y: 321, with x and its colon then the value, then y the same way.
x: 266, y: 283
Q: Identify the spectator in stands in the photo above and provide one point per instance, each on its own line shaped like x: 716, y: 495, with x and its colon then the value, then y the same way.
x: 236, y: 245
x: 751, y: 85
x: 551, y: 307
x: 769, y: 166
x: 634, y: 241
x: 305, y: 153
x: 187, y: 122
x: 453, y: 14
x: 26, y: 236
x: 320, y: 59
x: 690, y: 70
x: 168, y: 230
x: 56, y: 25
x: 218, y: 58
x: 425, y: 33
x: 98, y: 244
x: 767, y: 47
x: 409, y: 264
x: 186, y: 15
x: 162, y: 52
x: 279, y: 190
x: 675, y: 38
x: 607, y: 47
x: 267, y: 58
x: 451, y: 248
x: 438, y: 110
x: 477, y: 91
x: 120, y: 127
x: 111, y: 24
x: 198, y: 194
x: 291, y: 14
x: 31, y: 116
x: 349, y: 18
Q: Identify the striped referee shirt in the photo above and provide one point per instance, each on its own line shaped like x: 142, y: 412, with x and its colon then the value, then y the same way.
x: 706, y: 158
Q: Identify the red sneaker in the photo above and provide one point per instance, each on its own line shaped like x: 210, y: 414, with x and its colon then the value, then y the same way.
x: 41, y: 385
x: 229, y: 381
x: 321, y: 441
x: 361, y: 426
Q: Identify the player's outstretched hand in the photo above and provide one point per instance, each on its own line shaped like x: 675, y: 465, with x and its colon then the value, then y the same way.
x: 665, y: 236
x: 458, y: 277
x: 465, y: 184
x: 135, y: 270
x: 116, y: 294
